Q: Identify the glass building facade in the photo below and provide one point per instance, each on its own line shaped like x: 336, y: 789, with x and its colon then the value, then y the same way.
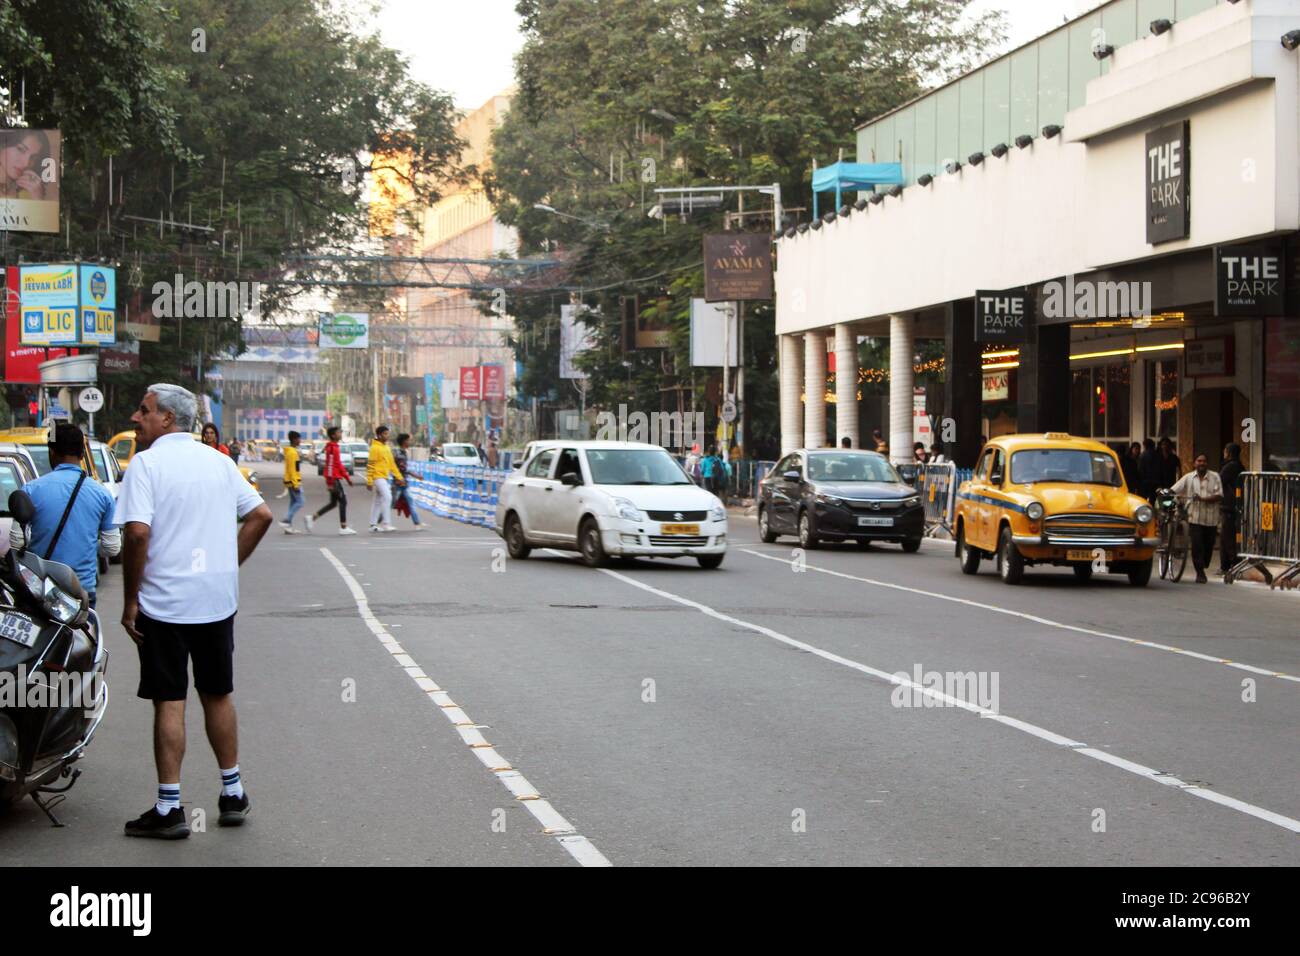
x: 1017, y: 94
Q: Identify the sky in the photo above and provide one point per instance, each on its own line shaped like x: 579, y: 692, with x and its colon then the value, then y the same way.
x: 468, y: 48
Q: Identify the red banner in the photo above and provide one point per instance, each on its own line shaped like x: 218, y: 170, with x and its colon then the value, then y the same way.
x: 22, y: 362
x: 494, y: 382
x: 471, y: 381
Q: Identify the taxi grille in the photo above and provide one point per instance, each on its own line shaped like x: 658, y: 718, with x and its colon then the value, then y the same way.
x: 1089, y: 527
x: 679, y: 541
x: 671, y: 516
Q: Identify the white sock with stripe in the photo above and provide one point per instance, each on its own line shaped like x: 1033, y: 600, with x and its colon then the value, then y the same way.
x: 231, y: 786
x: 169, y: 798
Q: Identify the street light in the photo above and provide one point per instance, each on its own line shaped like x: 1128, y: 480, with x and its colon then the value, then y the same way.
x: 564, y: 215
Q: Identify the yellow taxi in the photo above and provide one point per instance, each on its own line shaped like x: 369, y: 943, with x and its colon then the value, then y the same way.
x: 37, y: 443
x: 1053, y: 499
x: 123, y: 447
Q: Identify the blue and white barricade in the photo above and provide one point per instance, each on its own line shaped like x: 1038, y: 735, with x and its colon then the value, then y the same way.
x: 459, y: 492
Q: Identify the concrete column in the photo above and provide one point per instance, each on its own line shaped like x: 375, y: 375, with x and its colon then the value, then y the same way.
x: 963, y: 390
x: 1043, y: 380
x: 846, y: 385
x: 901, y: 348
x: 814, y: 384
x: 791, y: 376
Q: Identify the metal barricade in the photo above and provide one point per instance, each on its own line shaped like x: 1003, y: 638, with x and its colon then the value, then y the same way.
x: 1270, y: 526
x: 937, y: 484
x: 460, y: 492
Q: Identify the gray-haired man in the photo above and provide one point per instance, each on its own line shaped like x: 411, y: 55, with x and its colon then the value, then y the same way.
x: 181, y: 554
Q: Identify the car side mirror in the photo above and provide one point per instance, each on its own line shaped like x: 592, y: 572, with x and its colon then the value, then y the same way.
x: 571, y: 479
x: 792, y: 476
x: 996, y: 478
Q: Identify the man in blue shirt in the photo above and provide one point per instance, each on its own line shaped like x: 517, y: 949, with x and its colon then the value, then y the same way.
x: 90, y: 520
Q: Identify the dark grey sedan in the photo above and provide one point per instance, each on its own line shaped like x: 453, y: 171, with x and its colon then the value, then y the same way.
x: 839, y: 494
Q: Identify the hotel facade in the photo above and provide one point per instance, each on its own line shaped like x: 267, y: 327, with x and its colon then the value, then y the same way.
x: 1101, y: 228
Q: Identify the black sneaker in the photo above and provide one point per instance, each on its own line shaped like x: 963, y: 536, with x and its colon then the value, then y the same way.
x: 153, y: 824
x: 233, y: 810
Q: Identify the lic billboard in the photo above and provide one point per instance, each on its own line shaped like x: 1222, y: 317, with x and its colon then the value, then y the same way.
x: 68, y: 304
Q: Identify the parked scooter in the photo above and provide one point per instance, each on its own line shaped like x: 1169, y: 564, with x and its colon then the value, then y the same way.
x: 53, y: 659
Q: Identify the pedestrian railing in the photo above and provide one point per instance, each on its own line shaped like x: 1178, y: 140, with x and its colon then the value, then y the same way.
x: 1270, y: 526
x: 937, y: 484
x: 459, y: 492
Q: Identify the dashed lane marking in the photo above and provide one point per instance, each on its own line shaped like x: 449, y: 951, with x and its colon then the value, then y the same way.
x: 1042, y: 733
x: 1154, y: 645
x: 553, y: 823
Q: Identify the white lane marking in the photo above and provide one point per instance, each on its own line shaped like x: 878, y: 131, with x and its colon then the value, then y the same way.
x: 1032, y: 617
x: 1042, y: 733
x: 553, y: 823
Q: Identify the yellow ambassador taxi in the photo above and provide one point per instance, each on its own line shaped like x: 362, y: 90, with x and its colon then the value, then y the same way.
x: 1053, y: 499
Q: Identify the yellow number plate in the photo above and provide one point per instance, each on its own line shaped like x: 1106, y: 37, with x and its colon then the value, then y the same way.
x: 1086, y: 555
x: 679, y: 529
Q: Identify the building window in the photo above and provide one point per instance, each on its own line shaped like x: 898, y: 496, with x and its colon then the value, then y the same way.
x: 1099, y: 402
x: 1282, y: 394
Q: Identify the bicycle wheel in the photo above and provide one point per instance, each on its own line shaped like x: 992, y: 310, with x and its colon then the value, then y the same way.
x: 1162, y: 550
x: 1179, y: 545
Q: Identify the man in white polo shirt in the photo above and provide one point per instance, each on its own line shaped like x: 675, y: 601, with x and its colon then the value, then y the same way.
x: 181, y: 553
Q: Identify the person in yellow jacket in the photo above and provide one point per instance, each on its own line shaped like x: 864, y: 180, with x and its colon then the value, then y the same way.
x: 292, y: 481
x: 381, y: 471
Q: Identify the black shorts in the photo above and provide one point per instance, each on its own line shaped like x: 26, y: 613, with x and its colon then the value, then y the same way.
x: 166, y: 649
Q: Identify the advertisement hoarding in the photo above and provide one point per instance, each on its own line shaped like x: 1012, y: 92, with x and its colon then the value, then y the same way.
x: 344, y: 330
x: 98, y: 299
x: 22, y: 362
x: 29, y: 179
x: 737, y: 266
x: 1166, y: 183
x: 708, y: 331
x: 471, y: 377
x: 1003, y: 316
x: 494, y: 382
x: 49, y: 304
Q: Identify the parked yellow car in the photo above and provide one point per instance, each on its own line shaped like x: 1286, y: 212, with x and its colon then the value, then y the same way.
x: 1053, y: 499
x: 123, y: 447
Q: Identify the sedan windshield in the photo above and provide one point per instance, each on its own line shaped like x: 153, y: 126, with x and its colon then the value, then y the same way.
x: 840, y: 466
x: 1064, y: 464
x: 626, y: 466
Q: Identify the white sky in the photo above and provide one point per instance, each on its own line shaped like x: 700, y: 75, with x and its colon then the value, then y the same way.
x: 468, y: 48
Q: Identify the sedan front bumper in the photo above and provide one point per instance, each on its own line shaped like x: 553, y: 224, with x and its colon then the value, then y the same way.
x: 837, y: 522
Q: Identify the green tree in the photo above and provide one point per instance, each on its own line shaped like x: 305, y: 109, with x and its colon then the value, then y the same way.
x: 618, y: 97
x: 251, y: 122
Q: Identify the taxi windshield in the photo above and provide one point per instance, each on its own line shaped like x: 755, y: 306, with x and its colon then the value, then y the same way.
x: 845, y: 466
x: 1064, y: 464
x: 651, y: 466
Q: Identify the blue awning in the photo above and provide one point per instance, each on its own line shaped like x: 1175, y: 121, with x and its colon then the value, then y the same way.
x: 853, y: 177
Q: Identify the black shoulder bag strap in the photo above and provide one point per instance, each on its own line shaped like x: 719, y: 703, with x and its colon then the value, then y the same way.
x: 64, y: 520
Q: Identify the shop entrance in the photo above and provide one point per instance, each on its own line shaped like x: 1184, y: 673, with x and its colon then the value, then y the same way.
x: 1216, y: 421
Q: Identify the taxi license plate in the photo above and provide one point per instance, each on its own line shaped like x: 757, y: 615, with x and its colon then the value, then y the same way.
x: 1086, y: 554
x: 19, y: 629
x: 679, y: 529
x: 875, y: 522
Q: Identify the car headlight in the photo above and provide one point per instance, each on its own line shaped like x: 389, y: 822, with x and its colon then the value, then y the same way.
x: 912, y: 502
x: 626, y: 510
x: 717, y: 513
x: 830, y: 500
x: 1143, y: 514
x: 1034, y: 511
x: 61, y: 605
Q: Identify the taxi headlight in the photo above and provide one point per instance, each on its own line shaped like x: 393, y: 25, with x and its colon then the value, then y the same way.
x: 626, y: 509
x: 1143, y: 514
x: 1034, y: 511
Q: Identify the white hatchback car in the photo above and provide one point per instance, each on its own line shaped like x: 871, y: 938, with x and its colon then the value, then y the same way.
x: 610, y: 499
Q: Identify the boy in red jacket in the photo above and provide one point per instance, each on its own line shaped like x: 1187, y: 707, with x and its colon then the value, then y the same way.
x: 335, y: 474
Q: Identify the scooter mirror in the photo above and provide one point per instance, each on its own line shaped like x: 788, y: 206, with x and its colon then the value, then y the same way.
x: 21, y: 507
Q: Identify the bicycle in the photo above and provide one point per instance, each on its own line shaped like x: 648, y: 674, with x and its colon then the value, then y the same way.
x: 1175, y: 534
